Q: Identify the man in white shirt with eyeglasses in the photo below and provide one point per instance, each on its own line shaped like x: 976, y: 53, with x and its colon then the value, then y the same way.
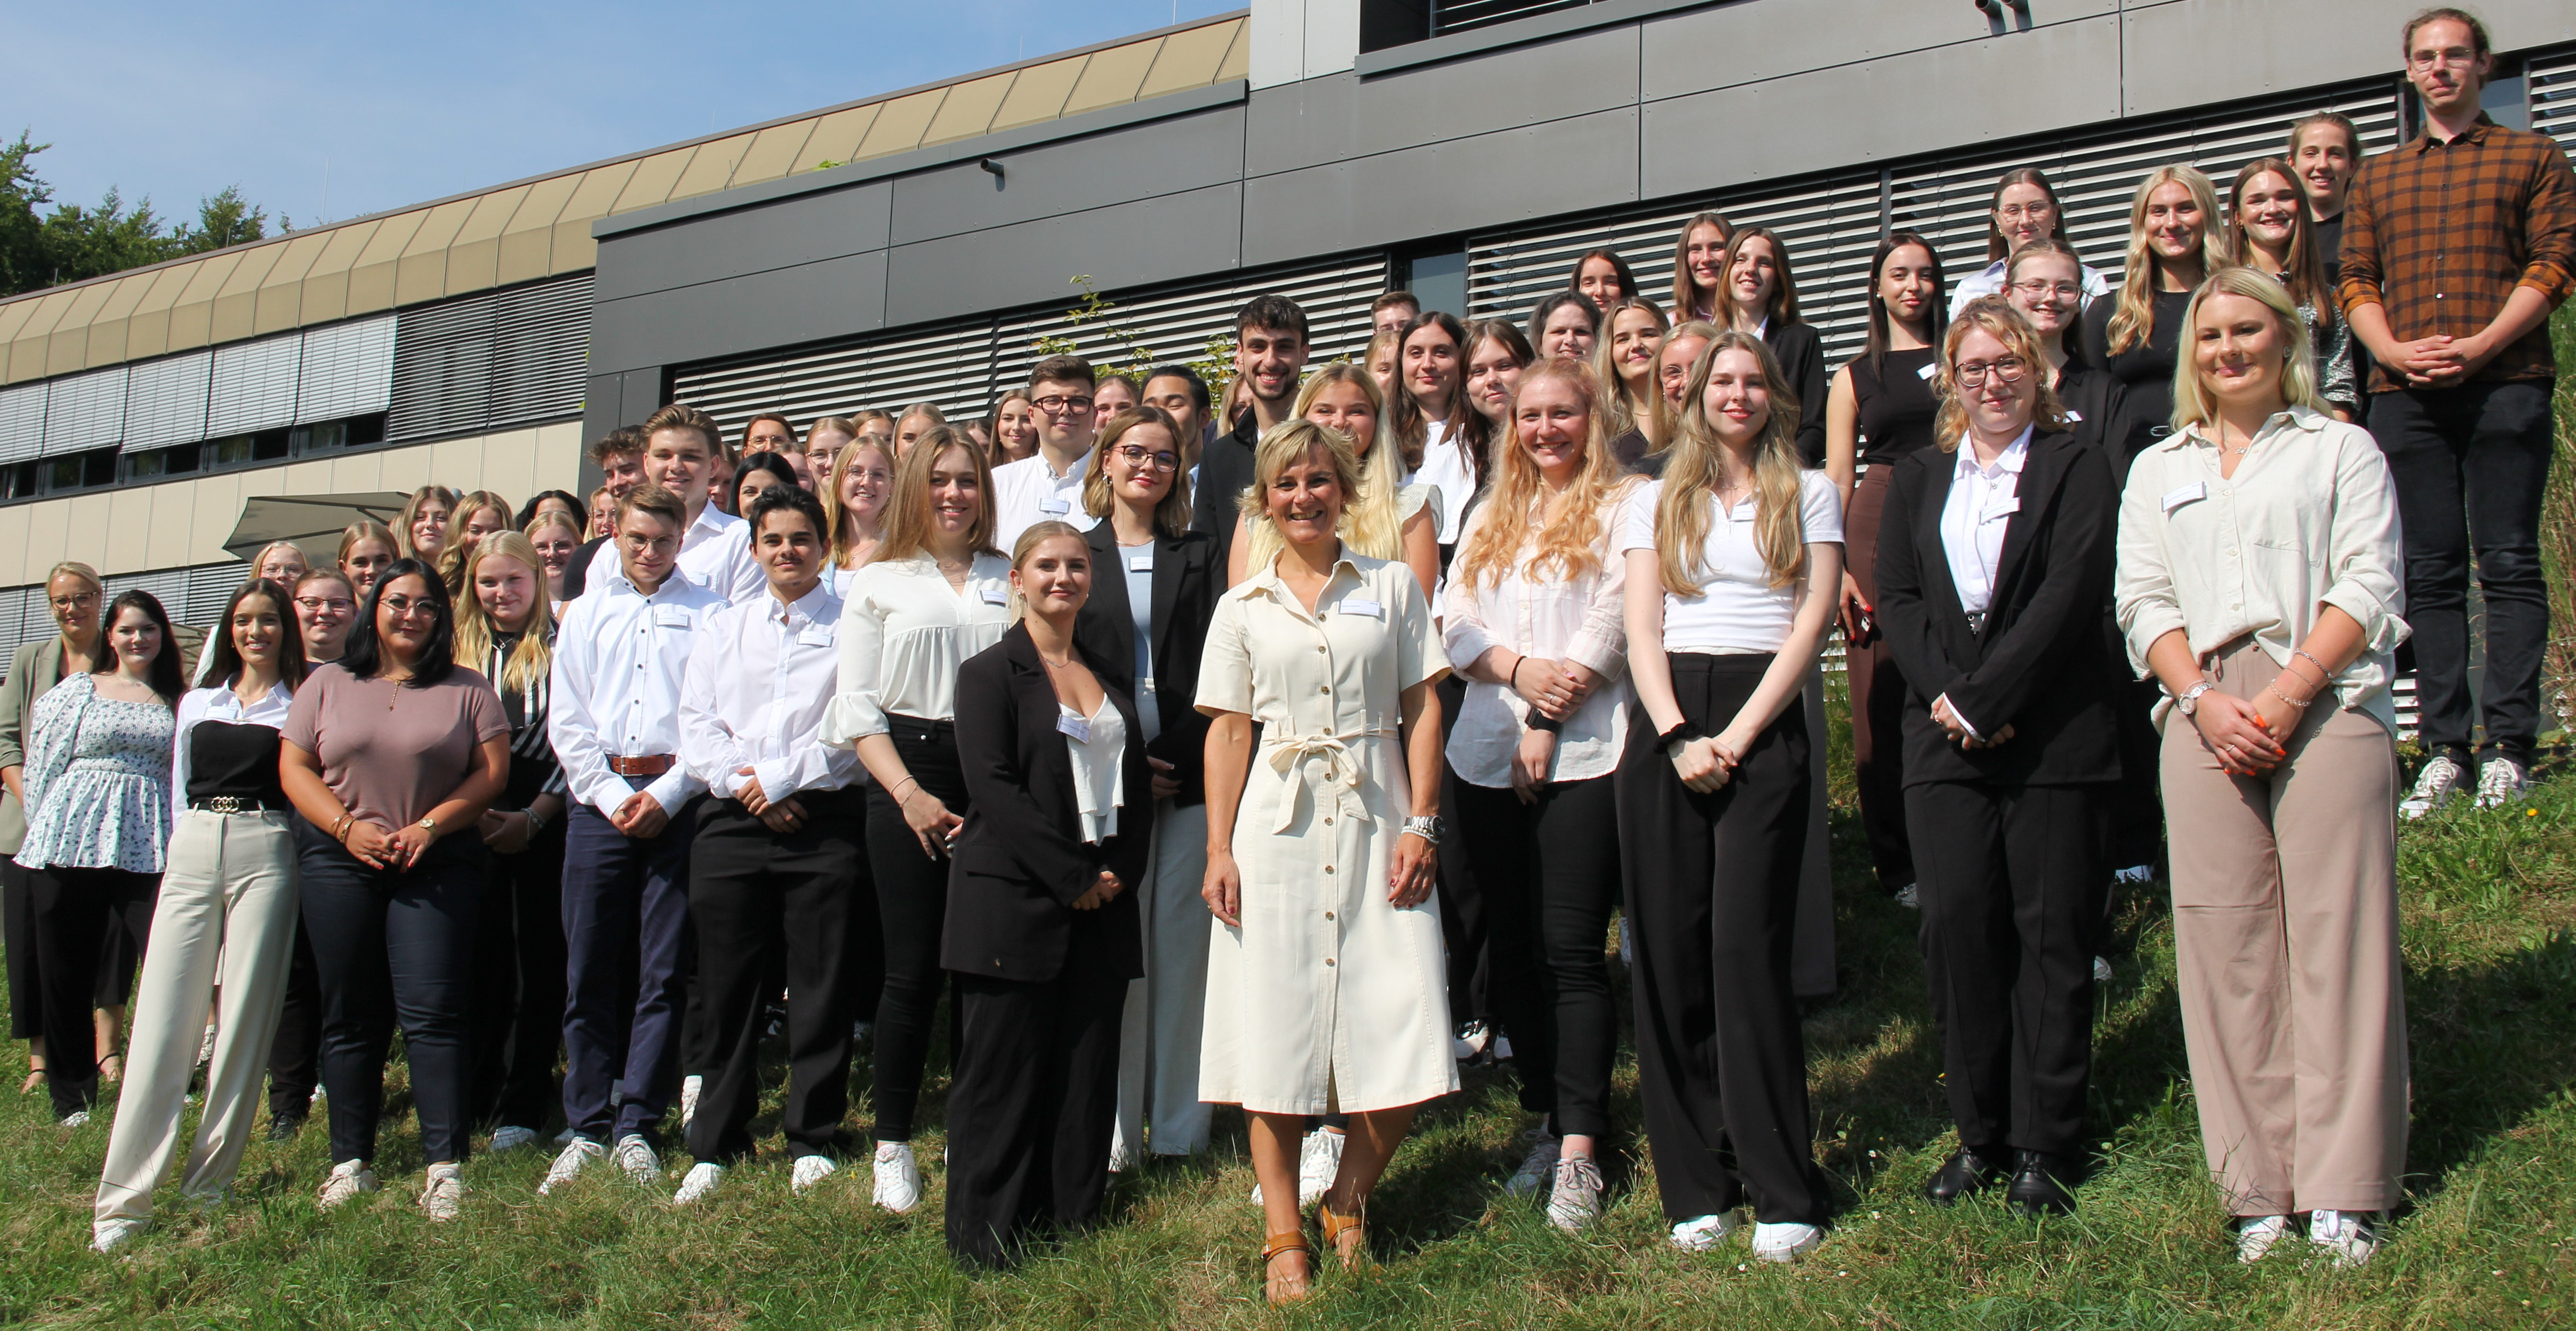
x: 1048, y: 487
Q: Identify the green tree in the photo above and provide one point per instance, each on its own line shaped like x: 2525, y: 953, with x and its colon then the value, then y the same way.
x: 73, y: 243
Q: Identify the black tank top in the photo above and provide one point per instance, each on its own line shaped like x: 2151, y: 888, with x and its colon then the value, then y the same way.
x: 1896, y: 405
x: 237, y: 759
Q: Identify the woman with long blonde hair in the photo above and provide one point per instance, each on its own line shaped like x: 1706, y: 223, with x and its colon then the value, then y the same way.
x: 2136, y: 333
x: 478, y: 515
x: 366, y: 547
x: 1734, y: 564
x: 855, y: 490
x: 1624, y: 364
x: 1391, y: 517
x: 421, y: 532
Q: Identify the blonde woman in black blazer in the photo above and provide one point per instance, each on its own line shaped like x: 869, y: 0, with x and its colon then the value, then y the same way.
x: 1042, y: 933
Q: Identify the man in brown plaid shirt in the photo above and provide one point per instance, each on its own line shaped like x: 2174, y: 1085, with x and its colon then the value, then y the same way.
x: 2456, y: 246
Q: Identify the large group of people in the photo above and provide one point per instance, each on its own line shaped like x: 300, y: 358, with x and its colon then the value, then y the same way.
x: 1285, y: 746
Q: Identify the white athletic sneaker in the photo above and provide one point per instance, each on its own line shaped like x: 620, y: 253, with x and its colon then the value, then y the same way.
x: 1538, y: 1168
x: 2102, y: 970
x: 566, y: 1137
x: 1470, y: 1042
x: 2255, y: 1235
x: 1910, y: 896
x: 689, y: 1088
x: 2346, y: 1235
x: 509, y: 1137
x: 898, y: 1178
x: 1708, y: 1233
x: 1575, y: 1203
x: 444, y: 1196
x: 348, y: 1179
x: 78, y: 1118
x: 206, y: 1047
x: 109, y: 1235
x: 2434, y: 787
x: 1502, y: 1048
x: 635, y: 1156
x: 1318, y: 1160
x: 575, y: 1157
x: 2136, y: 875
x: 813, y: 1169
x: 2501, y: 781
x: 1785, y: 1243
x: 701, y: 1179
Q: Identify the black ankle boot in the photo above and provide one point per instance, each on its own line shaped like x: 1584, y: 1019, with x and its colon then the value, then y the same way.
x: 1965, y: 1174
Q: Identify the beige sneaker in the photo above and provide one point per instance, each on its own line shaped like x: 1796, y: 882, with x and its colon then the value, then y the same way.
x: 348, y: 1179
x: 445, y: 1195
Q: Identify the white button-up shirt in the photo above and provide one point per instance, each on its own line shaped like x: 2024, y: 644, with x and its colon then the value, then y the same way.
x: 1975, y: 516
x: 715, y: 553
x: 904, y: 632
x: 615, y: 688
x: 759, y: 679
x: 1447, y: 469
x: 1989, y: 281
x: 2308, y: 520
x: 1553, y: 618
x: 1028, y: 492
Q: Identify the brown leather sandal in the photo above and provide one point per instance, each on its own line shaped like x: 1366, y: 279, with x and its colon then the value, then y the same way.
x: 1278, y: 1245
x: 1336, y: 1225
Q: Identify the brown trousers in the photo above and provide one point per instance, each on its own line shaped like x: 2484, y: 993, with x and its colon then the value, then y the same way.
x: 2285, y: 928
x: 1877, y: 696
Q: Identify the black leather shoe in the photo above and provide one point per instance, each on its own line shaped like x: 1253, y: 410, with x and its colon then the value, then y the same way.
x: 2039, y: 1184
x: 1965, y: 1174
x: 283, y: 1129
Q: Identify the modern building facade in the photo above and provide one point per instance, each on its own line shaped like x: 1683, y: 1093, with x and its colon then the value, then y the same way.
x: 915, y: 246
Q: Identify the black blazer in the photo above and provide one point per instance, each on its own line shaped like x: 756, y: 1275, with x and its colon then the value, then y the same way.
x: 1021, y: 861
x: 1188, y: 577
x: 2038, y: 664
x: 1802, y: 362
x: 2103, y: 418
x: 1225, y: 472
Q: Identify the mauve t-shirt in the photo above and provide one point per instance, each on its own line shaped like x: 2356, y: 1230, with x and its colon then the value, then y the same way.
x: 392, y: 753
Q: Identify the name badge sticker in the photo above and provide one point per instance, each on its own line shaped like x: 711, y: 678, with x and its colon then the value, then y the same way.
x: 1925, y: 373
x: 1353, y: 605
x: 1058, y: 504
x: 1078, y: 727
x: 2176, y: 498
x: 671, y: 616
x: 996, y: 596
x: 2003, y: 510
x: 2073, y: 415
x: 815, y: 635
x: 1140, y: 563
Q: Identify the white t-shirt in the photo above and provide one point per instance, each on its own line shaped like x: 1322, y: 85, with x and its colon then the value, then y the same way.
x: 1737, y: 609
x: 1446, y: 466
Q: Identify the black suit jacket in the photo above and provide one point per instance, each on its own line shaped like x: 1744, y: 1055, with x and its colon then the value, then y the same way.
x: 1802, y: 362
x: 1188, y: 577
x: 1021, y: 861
x: 577, y: 573
x: 2103, y: 418
x: 2037, y: 665
x: 1225, y: 472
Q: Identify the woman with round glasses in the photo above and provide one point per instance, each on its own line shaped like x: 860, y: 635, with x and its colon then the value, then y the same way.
x: 74, y: 594
x: 2025, y: 209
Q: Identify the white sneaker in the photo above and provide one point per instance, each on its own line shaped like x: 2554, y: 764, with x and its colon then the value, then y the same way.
x: 78, y: 1118
x: 109, y: 1235
x: 2256, y: 1234
x: 1785, y: 1243
x: 508, y: 1137
x: 2346, y: 1235
x: 1575, y: 1202
x: 898, y: 1178
x: 1317, y: 1162
x: 2434, y: 787
x: 2136, y: 875
x: 1502, y: 1048
x: 348, y: 1179
x: 635, y: 1156
x: 813, y: 1169
x: 566, y: 1137
x: 2501, y: 781
x: 1708, y: 1233
x: 1538, y: 1168
x: 575, y: 1157
x: 1910, y: 896
x: 444, y: 1197
x: 206, y: 1047
x: 2102, y: 970
x: 701, y: 1179
x: 689, y: 1088
x: 1470, y: 1042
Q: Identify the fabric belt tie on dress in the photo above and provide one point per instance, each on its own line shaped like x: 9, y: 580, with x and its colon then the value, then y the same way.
x: 1293, y: 756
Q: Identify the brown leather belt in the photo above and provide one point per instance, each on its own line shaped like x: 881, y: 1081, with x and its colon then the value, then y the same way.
x: 650, y: 765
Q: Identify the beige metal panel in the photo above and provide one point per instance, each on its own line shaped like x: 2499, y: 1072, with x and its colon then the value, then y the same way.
x: 13, y: 316
x: 1111, y: 77
x: 1238, y: 55
x: 14, y: 559
x: 129, y: 529
x: 30, y: 349
x: 421, y: 273
x: 85, y: 533
x: 509, y: 464
x: 456, y: 462
x: 172, y: 540
x: 900, y: 124
x: 215, y: 505
x: 192, y: 317
x: 558, y: 458
x: 774, y: 153
x: 837, y: 136
x: 238, y: 299
x: 1039, y: 94
x: 302, y: 478
x: 528, y: 241
x: 108, y: 328
x: 654, y: 176
x: 474, y: 256
x: 1188, y: 60
x: 711, y: 166
x: 359, y: 473
x: 371, y: 276
x: 404, y: 469
x: 106, y: 342
x: 324, y: 295
x: 147, y: 330
x: 968, y: 109
x: 67, y: 347
x: 573, y: 248
x: 281, y: 293
x: 47, y: 525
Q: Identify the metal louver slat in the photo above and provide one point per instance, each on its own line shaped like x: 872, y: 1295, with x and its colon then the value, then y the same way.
x: 22, y: 422
x: 442, y: 380
x: 1179, y: 325
x: 951, y: 368
x: 253, y: 385
x: 2550, y: 82
x: 165, y: 401
x: 347, y: 370
x: 541, y: 352
x: 84, y: 411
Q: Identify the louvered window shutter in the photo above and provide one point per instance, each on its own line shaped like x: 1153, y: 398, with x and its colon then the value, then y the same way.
x: 442, y: 369
x: 253, y: 385
x: 2550, y: 81
x: 541, y: 346
x: 165, y: 401
x: 348, y: 370
x: 22, y: 423
x: 84, y: 411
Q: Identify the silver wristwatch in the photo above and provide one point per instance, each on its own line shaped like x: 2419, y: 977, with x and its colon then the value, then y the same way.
x: 2189, y: 702
x: 1429, y: 829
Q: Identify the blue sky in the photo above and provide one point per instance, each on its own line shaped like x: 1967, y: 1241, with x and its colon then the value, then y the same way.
x: 401, y: 103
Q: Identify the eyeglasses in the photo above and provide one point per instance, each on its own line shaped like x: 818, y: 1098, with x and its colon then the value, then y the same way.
x: 403, y: 607
x: 1057, y: 406
x: 2007, y: 369
x: 318, y: 604
x: 75, y: 601
x: 2036, y: 288
x: 1137, y: 457
x: 2457, y: 58
x: 2015, y: 212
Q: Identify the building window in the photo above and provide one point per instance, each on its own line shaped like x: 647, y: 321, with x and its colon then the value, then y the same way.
x: 76, y: 471
x: 155, y: 463
x: 306, y: 441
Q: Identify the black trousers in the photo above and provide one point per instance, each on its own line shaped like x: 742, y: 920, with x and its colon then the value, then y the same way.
x: 1466, y: 925
x: 517, y: 1025
x: 1031, y: 1107
x: 912, y: 909
x: 396, y: 947
x: 74, y: 911
x: 1713, y: 891
x: 1550, y: 872
x: 754, y: 894
x: 295, y: 1056
x: 2470, y: 465
x: 2013, y: 892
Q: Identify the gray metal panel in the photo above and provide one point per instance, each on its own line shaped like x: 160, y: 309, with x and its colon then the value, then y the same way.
x: 84, y: 411
x: 806, y: 229
x: 1726, y: 46
x: 1843, y: 116
x: 602, y: 410
x: 781, y: 307
x: 641, y: 393
x: 1156, y: 240
x: 1098, y: 170
x: 1343, y: 116
x: 1441, y: 189
x: 2178, y: 56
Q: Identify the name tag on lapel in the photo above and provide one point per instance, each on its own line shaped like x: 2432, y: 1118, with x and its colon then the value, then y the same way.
x: 1058, y: 504
x: 1140, y: 563
x: 2073, y: 415
x: 1078, y: 727
x: 2176, y: 498
x: 996, y: 596
x: 2003, y: 510
x: 815, y: 635
x: 1353, y: 605
x: 1925, y: 373
x: 671, y: 616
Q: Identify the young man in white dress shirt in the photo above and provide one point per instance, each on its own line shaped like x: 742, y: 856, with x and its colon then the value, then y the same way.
x: 777, y: 866
x: 682, y: 450
x: 614, y: 719
x: 1048, y: 487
